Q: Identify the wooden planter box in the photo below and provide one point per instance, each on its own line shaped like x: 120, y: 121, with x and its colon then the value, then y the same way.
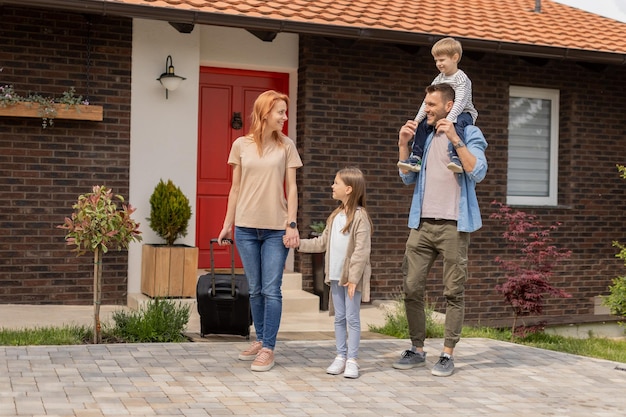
x: 74, y: 112
x: 169, y: 271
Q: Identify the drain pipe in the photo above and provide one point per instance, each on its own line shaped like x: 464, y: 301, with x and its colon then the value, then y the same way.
x: 537, y: 6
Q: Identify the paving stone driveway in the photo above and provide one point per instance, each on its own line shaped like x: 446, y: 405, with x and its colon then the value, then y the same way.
x: 205, y: 379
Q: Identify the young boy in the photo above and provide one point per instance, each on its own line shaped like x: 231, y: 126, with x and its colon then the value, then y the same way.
x: 447, y: 53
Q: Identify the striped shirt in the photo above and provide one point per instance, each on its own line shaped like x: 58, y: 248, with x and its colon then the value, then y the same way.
x: 462, y: 96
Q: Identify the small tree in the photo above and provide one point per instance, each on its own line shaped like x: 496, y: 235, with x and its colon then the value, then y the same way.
x: 616, y: 300
x: 98, y: 225
x: 170, y: 212
x: 529, y: 273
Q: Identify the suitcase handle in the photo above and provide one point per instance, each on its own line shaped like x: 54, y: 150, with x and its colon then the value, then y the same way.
x: 232, y: 266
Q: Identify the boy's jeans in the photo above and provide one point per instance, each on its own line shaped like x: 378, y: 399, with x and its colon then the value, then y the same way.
x: 424, y: 129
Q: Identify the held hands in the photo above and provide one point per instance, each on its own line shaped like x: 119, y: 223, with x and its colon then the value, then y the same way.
x: 407, y: 131
x: 291, y: 238
x: 447, y: 127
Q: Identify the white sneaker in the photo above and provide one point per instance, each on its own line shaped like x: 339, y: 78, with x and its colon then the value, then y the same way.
x: 337, y: 366
x: 456, y: 168
x: 352, y: 369
x: 407, y: 166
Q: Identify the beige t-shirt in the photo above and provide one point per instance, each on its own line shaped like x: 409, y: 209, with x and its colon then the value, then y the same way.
x: 441, y: 190
x: 262, y: 203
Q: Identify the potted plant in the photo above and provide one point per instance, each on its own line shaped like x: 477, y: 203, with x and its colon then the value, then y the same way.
x: 317, y: 228
x: 97, y: 225
x: 68, y: 106
x: 169, y: 269
x: 317, y: 266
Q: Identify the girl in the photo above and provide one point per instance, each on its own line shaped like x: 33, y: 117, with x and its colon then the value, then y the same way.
x: 262, y: 205
x: 346, y: 241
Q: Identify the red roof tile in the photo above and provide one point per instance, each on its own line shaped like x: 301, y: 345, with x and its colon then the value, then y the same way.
x: 507, y: 21
x: 513, y: 21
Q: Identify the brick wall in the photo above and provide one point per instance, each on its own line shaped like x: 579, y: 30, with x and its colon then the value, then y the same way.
x: 354, y: 97
x: 43, y: 171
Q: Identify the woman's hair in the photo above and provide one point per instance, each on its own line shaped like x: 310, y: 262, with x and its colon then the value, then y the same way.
x: 263, y: 105
x: 448, y: 47
x: 352, y: 177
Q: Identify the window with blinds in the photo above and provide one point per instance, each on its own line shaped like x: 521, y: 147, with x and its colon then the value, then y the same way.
x: 533, y: 146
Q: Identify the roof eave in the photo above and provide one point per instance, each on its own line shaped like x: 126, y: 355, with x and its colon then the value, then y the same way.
x: 114, y: 8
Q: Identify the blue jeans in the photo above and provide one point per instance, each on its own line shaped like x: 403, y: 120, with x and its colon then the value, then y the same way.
x: 424, y: 129
x: 347, y: 320
x: 263, y: 256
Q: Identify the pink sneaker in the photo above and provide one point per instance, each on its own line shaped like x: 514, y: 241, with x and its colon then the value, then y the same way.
x: 250, y: 353
x: 264, y: 361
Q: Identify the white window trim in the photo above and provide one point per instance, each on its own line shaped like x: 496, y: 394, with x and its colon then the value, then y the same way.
x: 553, y: 96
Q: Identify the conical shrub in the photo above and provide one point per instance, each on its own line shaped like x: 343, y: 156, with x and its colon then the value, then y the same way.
x: 170, y: 212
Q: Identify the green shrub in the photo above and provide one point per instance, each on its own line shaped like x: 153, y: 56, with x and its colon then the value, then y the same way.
x: 616, y: 300
x: 65, y: 335
x: 161, y: 320
x: 170, y: 212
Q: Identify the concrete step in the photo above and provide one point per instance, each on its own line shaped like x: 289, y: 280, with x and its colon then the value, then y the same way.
x: 292, y: 281
x: 301, y: 302
x: 295, y: 300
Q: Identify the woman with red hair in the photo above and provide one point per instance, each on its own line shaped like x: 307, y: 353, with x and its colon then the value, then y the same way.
x: 263, y: 206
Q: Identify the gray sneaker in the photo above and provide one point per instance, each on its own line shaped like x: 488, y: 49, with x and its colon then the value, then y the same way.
x: 444, y: 366
x: 410, y: 359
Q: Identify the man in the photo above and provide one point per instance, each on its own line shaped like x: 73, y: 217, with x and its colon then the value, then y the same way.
x: 444, y: 210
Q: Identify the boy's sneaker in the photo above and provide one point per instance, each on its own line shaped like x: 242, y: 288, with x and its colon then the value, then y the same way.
x: 352, y: 369
x: 455, y: 165
x: 411, y: 164
x: 444, y: 366
x: 410, y: 359
x: 250, y: 353
x: 337, y: 367
x: 264, y: 361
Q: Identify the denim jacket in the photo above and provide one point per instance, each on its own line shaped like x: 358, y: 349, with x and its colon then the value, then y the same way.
x: 469, y: 213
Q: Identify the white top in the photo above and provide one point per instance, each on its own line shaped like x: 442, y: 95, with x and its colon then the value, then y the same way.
x: 338, y: 247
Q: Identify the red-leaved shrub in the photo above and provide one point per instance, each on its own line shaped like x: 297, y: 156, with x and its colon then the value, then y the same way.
x: 528, y: 272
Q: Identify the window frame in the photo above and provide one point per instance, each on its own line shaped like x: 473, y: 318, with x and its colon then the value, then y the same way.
x: 545, y: 94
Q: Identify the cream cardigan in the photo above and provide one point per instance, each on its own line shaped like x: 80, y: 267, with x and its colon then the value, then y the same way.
x: 356, y: 268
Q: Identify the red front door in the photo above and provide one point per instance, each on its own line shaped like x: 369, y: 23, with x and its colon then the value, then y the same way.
x: 226, y: 97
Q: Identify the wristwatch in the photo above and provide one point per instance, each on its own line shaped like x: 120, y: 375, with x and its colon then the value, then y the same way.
x: 459, y: 145
x: 293, y: 225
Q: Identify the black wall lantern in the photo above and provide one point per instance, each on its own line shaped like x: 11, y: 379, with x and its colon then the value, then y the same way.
x: 169, y: 79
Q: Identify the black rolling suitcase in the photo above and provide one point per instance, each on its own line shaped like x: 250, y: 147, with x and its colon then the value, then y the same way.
x: 223, y: 301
